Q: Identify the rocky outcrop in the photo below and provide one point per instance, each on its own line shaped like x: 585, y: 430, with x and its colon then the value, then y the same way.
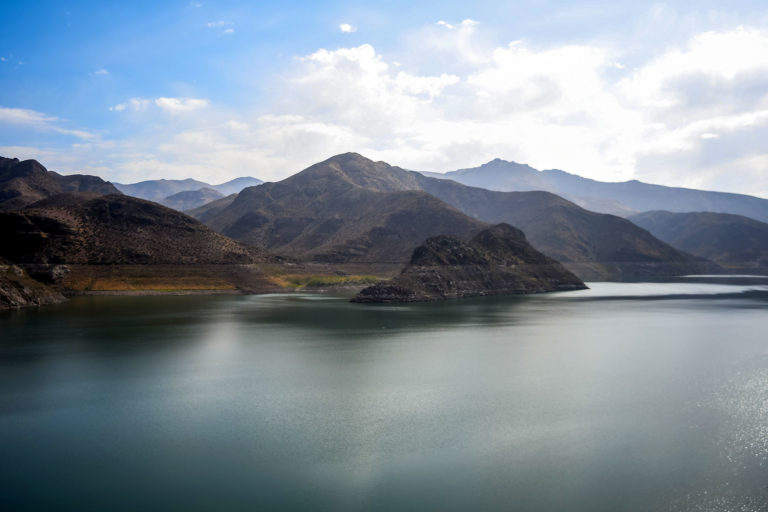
x: 18, y: 290
x: 497, y: 261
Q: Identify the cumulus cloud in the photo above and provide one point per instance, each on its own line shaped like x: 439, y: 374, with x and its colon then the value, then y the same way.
x: 347, y: 28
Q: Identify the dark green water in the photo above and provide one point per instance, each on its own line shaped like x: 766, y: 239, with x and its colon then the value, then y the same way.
x: 638, y: 397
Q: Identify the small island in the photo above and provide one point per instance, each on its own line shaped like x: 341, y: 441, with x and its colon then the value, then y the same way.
x: 497, y: 261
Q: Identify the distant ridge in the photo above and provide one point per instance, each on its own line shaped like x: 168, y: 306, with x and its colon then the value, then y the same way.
x: 190, y: 199
x: 161, y: 191
x: 722, y: 237
x: 622, y: 198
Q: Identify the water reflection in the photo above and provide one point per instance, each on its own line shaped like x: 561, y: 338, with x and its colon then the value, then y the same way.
x: 622, y: 397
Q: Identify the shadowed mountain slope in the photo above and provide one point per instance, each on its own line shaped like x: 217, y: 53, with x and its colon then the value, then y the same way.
x: 25, y: 182
x: 335, y: 201
x: 344, y: 210
x: 498, y: 260
x: 621, y: 198
x: 113, y: 229
x: 721, y: 237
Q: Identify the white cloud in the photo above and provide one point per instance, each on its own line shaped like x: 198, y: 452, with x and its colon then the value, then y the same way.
x: 696, y: 76
x: 175, y: 105
x: 347, y: 28
x: 677, y: 119
x: 40, y: 121
x: 227, y: 26
x: 133, y: 104
x: 171, y: 105
x: 24, y: 116
x: 101, y: 71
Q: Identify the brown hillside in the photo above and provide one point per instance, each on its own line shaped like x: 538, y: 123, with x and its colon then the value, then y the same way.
x: 113, y: 229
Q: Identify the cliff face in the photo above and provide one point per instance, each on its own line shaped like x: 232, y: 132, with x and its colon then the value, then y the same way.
x: 497, y: 261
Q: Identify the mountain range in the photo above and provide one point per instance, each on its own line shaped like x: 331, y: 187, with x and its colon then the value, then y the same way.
x: 349, y: 208
x: 620, y: 198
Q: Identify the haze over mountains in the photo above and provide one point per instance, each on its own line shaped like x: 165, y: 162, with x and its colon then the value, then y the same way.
x: 349, y: 208
x: 621, y: 198
x: 195, y: 193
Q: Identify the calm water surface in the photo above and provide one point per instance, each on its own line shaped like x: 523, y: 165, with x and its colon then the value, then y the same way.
x: 636, y: 397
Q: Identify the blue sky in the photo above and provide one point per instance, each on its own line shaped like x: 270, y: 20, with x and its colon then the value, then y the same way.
x: 673, y: 93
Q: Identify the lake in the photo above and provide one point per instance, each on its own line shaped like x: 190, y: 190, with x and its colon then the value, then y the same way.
x: 636, y: 397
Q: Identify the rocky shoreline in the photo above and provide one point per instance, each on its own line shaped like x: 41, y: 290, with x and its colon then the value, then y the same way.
x: 18, y: 290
